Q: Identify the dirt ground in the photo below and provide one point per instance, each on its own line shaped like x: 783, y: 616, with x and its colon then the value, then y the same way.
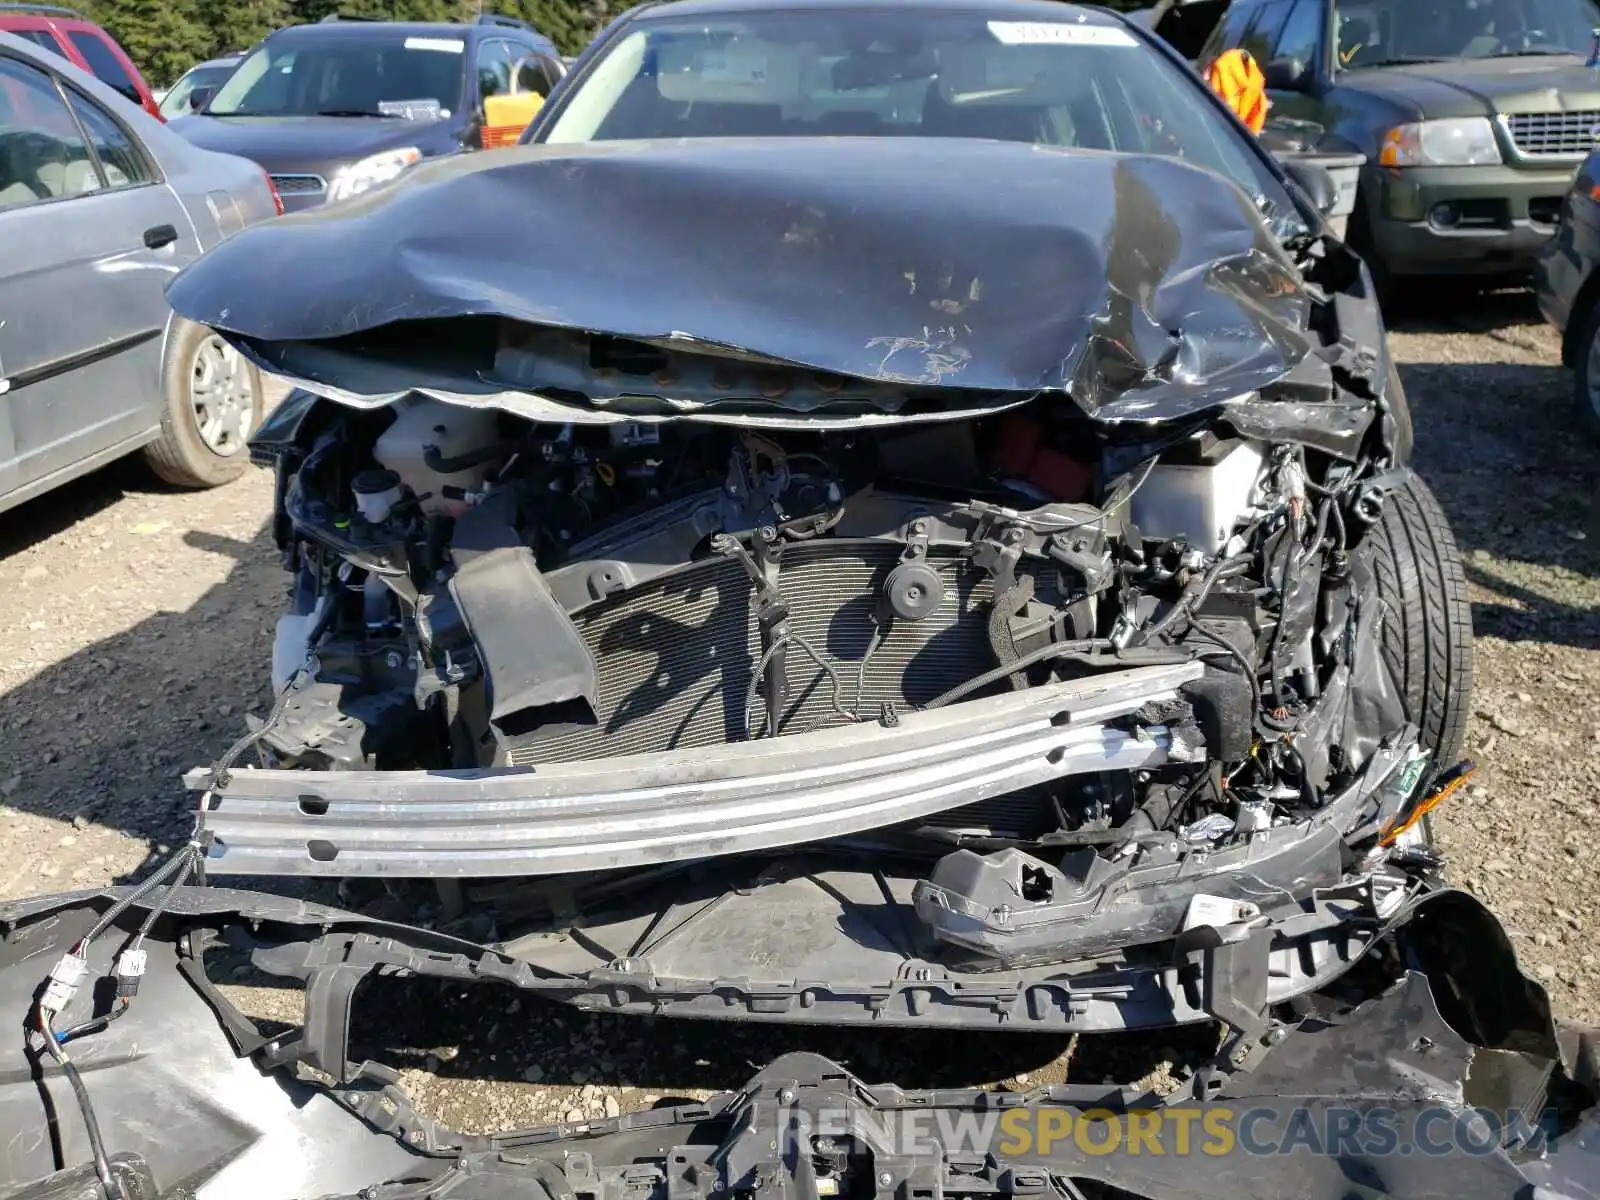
x: 136, y: 634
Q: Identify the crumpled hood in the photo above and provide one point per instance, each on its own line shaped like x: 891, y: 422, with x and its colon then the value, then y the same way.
x: 1559, y: 83
x: 1143, y: 286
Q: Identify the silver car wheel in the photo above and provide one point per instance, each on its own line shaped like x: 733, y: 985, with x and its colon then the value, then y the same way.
x: 222, y: 394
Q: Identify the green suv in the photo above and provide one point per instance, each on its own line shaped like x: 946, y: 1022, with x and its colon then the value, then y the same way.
x: 1473, y: 115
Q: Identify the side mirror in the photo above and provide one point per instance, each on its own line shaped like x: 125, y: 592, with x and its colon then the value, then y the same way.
x: 200, y: 97
x: 1287, y: 75
x: 1316, y: 182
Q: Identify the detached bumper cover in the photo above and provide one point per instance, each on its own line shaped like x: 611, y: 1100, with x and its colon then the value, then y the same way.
x: 1444, y: 1079
x: 686, y: 804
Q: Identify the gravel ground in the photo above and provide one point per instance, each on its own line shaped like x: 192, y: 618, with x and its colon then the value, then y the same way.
x: 137, y: 633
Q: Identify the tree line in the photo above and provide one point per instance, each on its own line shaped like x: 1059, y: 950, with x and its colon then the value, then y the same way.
x: 167, y: 37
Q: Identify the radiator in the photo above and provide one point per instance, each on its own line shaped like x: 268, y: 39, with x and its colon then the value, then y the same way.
x: 676, y: 655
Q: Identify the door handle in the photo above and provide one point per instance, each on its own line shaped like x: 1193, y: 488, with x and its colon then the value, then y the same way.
x: 158, y: 236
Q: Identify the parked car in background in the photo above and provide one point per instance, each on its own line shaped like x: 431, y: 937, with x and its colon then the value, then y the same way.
x: 1567, y: 283
x: 100, y: 205
x: 1473, y: 115
x: 209, y: 75
x: 85, y: 45
x: 335, y: 108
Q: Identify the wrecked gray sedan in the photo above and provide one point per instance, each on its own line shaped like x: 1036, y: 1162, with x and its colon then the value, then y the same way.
x: 894, y: 516
x: 868, y: 519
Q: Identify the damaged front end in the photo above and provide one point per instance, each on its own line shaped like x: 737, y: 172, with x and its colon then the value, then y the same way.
x: 954, y: 638
x: 1434, y: 1071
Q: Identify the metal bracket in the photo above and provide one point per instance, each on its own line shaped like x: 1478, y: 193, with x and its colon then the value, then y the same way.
x: 330, y: 995
x: 772, y: 612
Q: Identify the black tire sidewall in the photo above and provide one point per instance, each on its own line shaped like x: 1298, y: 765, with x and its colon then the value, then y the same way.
x: 1428, y: 636
x: 1583, y: 393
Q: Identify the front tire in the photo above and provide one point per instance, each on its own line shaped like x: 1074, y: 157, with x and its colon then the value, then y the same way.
x: 1427, y: 633
x: 213, y: 402
x: 1586, y: 390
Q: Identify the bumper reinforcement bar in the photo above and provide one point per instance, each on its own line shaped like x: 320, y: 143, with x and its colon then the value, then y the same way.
x: 685, y: 804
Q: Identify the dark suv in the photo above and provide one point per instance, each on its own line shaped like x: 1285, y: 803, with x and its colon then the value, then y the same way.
x: 332, y: 109
x: 82, y: 43
x: 1473, y: 115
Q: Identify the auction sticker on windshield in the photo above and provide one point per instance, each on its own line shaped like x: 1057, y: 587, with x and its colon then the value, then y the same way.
x: 1057, y: 33
x: 734, y: 66
x: 447, y: 45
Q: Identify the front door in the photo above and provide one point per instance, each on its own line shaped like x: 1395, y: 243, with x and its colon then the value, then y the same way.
x: 91, y: 237
x: 1305, y: 36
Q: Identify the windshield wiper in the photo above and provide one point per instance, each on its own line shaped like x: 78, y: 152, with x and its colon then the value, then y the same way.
x: 1552, y: 53
x: 1399, y: 60
x: 352, y: 112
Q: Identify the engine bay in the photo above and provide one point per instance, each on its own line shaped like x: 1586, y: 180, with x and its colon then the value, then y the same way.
x: 475, y: 591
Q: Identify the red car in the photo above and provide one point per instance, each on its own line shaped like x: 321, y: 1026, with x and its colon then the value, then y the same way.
x: 82, y: 43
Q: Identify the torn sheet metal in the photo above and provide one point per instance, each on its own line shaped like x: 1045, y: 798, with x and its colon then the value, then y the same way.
x: 1146, y: 288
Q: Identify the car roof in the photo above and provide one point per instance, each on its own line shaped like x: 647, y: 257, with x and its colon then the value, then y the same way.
x: 151, y: 131
x: 354, y: 29
x: 1036, y: 10
x: 37, y: 20
x: 21, y: 47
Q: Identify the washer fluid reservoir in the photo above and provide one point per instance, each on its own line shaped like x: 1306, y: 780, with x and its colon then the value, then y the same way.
x: 421, y: 422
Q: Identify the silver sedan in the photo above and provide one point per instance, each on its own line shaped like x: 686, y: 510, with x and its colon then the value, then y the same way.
x: 100, y: 205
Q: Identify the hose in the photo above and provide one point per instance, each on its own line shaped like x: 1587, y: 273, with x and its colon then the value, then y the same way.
x: 1290, y: 572
x: 996, y: 674
x: 436, y: 461
x: 1223, y: 568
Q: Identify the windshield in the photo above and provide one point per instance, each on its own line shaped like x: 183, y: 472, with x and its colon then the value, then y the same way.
x: 1378, y: 32
x: 1078, y: 82
x: 387, y: 74
x: 176, y: 102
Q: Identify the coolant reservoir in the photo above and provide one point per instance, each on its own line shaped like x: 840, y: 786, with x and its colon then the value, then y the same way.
x: 421, y: 422
x: 1200, y: 503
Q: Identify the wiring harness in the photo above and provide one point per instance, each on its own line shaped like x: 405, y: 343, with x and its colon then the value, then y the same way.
x: 67, y: 976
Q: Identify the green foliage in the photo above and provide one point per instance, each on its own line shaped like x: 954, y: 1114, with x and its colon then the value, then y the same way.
x: 167, y: 37
x: 568, y: 23
x: 164, y: 37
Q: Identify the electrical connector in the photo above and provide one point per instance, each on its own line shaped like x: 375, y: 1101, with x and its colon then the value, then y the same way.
x: 65, y: 977
x: 130, y: 969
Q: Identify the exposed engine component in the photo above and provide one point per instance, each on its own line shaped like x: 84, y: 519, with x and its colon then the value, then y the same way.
x: 914, y: 589
x: 489, y: 593
x: 438, y: 452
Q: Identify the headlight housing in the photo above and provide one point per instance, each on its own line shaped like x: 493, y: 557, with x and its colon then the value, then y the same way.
x: 370, y: 172
x: 1453, y: 142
